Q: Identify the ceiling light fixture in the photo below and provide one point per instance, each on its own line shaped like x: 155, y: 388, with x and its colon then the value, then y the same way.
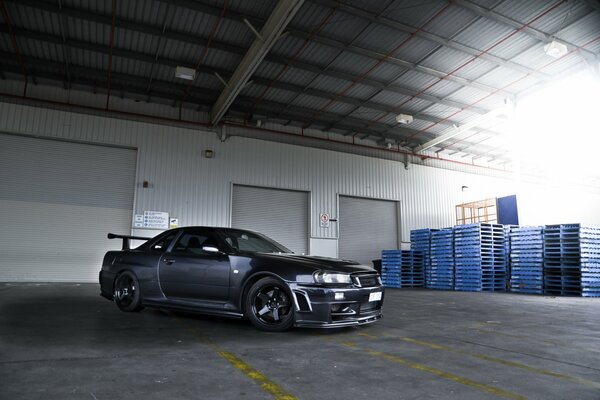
x: 185, y: 73
x: 404, y: 119
x: 555, y: 49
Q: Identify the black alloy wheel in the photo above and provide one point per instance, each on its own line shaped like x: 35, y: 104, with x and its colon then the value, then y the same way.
x: 127, y: 292
x: 269, y: 305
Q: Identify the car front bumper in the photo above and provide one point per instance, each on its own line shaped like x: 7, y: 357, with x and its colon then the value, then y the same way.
x: 325, y: 307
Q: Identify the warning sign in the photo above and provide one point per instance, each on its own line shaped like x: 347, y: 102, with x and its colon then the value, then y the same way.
x: 156, y: 220
x: 324, y: 220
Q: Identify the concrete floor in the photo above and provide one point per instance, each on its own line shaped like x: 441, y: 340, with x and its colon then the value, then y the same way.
x: 63, y: 341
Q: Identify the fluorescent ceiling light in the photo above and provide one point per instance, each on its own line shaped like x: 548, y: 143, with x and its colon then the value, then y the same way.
x: 185, y: 73
x: 555, y: 49
x: 404, y: 119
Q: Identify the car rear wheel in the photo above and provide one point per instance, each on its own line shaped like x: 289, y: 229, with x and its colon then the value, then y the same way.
x: 269, y: 305
x: 127, y: 292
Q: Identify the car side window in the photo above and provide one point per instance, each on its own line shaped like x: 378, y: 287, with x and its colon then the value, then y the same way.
x: 162, y: 244
x: 192, y: 243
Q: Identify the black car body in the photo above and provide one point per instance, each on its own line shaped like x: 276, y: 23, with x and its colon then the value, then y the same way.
x: 238, y: 273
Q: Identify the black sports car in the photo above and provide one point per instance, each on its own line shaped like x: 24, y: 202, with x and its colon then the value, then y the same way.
x: 240, y: 273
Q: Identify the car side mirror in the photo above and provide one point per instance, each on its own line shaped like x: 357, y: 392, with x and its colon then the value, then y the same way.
x: 210, y: 249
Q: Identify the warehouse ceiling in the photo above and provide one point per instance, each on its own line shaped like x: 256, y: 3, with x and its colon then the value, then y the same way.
x: 349, y: 68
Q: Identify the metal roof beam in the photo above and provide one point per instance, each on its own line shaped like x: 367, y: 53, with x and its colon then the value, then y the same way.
x: 281, y: 16
x: 528, y: 30
x: 357, y: 12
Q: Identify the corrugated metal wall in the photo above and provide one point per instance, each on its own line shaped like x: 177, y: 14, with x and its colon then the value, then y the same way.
x: 197, y: 190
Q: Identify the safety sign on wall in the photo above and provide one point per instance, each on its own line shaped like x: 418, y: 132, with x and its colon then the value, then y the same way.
x: 153, y: 220
x: 324, y: 220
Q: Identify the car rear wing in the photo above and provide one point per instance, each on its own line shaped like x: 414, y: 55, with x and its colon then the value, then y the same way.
x: 126, y: 239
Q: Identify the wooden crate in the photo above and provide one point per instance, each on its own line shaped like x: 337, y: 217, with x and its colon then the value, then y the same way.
x: 477, y: 211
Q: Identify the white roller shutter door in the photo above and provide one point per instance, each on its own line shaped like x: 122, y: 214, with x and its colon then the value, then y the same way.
x: 58, y: 200
x: 366, y: 226
x: 280, y: 214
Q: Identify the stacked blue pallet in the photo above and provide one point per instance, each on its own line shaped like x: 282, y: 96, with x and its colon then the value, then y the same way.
x: 418, y: 269
x: 441, y: 271
x: 507, y: 242
x: 402, y: 268
x: 572, y: 260
x: 480, y: 259
x: 420, y: 240
x: 527, y: 260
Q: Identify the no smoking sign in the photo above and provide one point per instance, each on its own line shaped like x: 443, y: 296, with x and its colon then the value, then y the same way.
x: 324, y: 220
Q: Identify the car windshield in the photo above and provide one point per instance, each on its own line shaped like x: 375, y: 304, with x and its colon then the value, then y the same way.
x: 246, y: 241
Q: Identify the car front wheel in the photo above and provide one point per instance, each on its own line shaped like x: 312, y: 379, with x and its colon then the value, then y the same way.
x: 127, y: 292
x: 269, y: 305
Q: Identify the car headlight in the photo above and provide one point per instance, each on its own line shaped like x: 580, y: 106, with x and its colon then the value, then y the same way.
x: 324, y: 277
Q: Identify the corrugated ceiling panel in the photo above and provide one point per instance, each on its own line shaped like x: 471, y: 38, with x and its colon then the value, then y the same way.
x: 414, y: 105
x: 475, y: 69
x: 440, y: 110
x: 414, y: 12
x: 389, y: 98
x: 87, y: 31
x: 194, y: 23
x: 131, y: 67
x: 32, y: 18
x: 316, y: 54
x: 366, y: 113
x: 37, y: 49
x: 97, y: 6
x: 89, y: 59
x: 234, y: 32
x: 446, y: 59
x: 343, y: 27
x: 221, y: 59
x: 443, y: 88
x: 256, y: 8
x: 415, y: 80
x: 415, y: 50
x: 296, y: 76
x: 451, y: 21
x: 514, y: 46
x: 363, y: 92
x: 468, y: 95
x: 137, y: 41
x: 329, y: 84
x: 182, y: 51
x: 500, y: 77
x: 340, y: 108
x: 310, y: 102
x: 561, y: 17
x: 586, y: 29
x: 483, y: 33
x: 381, y: 38
x: 149, y: 12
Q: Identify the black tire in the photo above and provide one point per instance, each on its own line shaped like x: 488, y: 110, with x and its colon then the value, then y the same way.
x: 126, y: 293
x: 269, y: 305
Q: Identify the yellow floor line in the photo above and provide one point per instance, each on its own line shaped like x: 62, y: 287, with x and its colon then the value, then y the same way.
x: 507, y: 363
x: 265, y: 383
x: 442, y: 374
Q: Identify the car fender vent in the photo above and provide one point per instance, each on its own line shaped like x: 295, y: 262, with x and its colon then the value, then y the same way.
x: 302, y: 301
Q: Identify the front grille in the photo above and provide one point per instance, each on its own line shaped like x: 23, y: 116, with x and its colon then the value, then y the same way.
x: 366, y: 280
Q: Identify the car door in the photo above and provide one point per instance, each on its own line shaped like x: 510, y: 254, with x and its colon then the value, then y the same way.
x: 188, y: 272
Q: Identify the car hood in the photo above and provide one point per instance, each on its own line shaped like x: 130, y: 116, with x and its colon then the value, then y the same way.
x: 314, y: 262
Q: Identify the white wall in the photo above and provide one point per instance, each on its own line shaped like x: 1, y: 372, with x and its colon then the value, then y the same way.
x: 197, y: 190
